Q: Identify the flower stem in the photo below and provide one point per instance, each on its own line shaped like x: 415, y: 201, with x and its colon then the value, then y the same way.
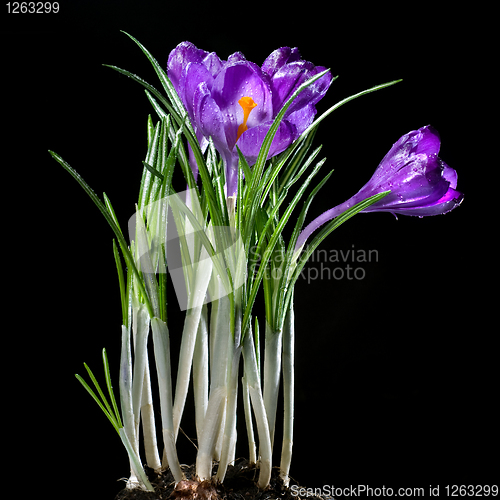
x: 252, y: 450
x: 214, y: 418
x: 135, y: 463
x: 200, y: 372
x: 161, y: 341
x: 148, y: 423
x: 288, y: 392
x: 254, y: 389
x: 272, y: 369
x: 229, y: 440
x: 191, y: 323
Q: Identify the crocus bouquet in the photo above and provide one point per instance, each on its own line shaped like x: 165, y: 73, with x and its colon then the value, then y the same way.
x: 241, y: 135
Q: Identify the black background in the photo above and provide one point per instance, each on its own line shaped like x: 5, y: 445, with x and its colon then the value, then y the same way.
x: 397, y: 373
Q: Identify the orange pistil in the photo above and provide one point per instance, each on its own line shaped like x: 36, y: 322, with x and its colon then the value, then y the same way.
x: 247, y: 104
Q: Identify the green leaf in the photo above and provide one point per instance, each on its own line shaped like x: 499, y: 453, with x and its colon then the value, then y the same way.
x: 121, y: 282
x: 254, y: 191
x: 272, y: 242
x: 153, y: 170
x: 327, y: 229
x: 104, y: 405
x: 109, y: 218
x: 111, y: 211
x: 344, y: 101
x: 244, y: 165
x: 110, y: 388
x: 150, y: 88
x: 287, y: 261
x: 147, y: 178
x: 178, y: 110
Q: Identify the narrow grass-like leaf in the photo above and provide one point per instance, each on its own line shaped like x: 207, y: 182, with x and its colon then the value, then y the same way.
x: 270, y: 247
x: 151, y: 130
x: 111, y: 211
x: 99, y: 390
x: 295, y: 155
x: 119, y: 236
x: 253, y: 194
x: 287, y: 262
x: 147, y: 176
x: 149, y: 87
x: 104, y: 405
x: 244, y: 165
x: 324, y: 232
x: 180, y: 115
x: 153, y: 170
x: 182, y: 156
x: 110, y: 388
x: 177, y: 105
x: 96, y: 399
x: 121, y: 282
x: 346, y: 100
x: 266, y: 143
x: 177, y: 111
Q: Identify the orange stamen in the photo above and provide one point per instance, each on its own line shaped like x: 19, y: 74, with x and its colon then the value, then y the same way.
x: 247, y: 104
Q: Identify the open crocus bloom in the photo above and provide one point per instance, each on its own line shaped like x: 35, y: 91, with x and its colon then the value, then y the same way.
x: 420, y: 182
x: 236, y: 101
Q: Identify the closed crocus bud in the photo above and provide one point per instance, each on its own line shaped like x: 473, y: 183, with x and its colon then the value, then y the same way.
x: 420, y: 183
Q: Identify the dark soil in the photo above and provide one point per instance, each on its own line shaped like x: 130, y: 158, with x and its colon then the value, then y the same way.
x: 239, y: 484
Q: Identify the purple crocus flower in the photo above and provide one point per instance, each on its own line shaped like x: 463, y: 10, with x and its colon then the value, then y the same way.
x: 236, y: 101
x: 420, y: 182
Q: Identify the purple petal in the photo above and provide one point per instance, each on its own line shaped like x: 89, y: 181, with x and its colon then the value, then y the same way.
x: 250, y: 141
x: 451, y: 200
x: 178, y: 59
x: 287, y: 79
x: 213, y: 63
x: 192, y: 76
x: 208, y: 117
x: 428, y: 141
x: 230, y: 85
x: 409, y: 148
x: 278, y: 58
x: 302, y: 118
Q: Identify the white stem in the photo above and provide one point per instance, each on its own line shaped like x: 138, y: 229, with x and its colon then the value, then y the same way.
x: 229, y: 441
x: 200, y: 372
x: 128, y: 430
x: 202, y: 274
x: 126, y: 386
x: 135, y: 463
x: 272, y: 369
x: 221, y: 342
x: 141, y: 332
x: 288, y: 393
x: 191, y: 323
x: 162, y: 355
x: 264, y: 438
x: 208, y: 438
x: 252, y: 450
x: 148, y: 423
x: 220, y: 433
x: 253, y: 377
